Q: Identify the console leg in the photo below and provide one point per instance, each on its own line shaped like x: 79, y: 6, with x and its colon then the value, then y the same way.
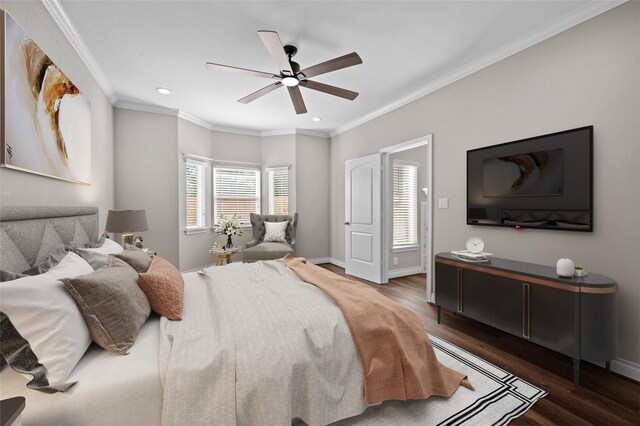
x: 608, y: 366
x: 439, y: 314
x: 576, y: 372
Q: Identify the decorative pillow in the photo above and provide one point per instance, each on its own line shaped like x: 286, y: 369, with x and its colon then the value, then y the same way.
x: 98, y: 243
x: 275, y: 232
x: 97, y: 257
x: 52, y: 259
x: 113, y: 306
x: 164, y: 287
x: 43, y: 314
x: 136, y: 258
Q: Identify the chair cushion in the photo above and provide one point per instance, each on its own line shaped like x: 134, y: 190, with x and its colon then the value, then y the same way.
x: 267, y: 251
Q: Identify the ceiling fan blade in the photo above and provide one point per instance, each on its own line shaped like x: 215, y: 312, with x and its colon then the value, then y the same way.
x: 332, y: 90
x: 236, y: 70
x: 258, y: 93
x: 344, y: 61
x: 296, y: 98
x: 271, y: 40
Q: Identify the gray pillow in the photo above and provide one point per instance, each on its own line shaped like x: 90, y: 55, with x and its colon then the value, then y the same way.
x: 50, y: 261
x: 136, y: 258
x: 112, y: 305
x: 98, y: 243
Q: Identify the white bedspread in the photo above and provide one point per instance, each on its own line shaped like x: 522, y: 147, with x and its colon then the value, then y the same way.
x: 257, y: 346
x: 112, y: 389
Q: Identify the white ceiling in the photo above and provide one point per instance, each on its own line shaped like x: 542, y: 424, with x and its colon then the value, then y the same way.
x: 406, y: 47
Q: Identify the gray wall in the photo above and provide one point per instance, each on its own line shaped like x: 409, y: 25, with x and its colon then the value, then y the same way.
x: 194, y: 248
x: 146, y: 170
x: 312, y: 196
x: 20, y: 188
x: 408, y: 259
x: 278, y: 151
x: 586, y: 75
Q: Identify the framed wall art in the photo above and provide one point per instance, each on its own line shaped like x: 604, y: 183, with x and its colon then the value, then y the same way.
x: 46, y: 119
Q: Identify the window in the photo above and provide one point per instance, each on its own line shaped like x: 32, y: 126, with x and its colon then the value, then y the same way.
x: 405, y: 204
x: 236, y: 190
x: 278, y: 190
x: 195, y: 183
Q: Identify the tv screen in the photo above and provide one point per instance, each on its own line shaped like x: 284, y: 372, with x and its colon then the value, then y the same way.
x: 542, y: 182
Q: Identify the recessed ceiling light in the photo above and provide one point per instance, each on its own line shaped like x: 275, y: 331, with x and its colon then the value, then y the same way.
x: 163, y: 90
x: 316, y: 119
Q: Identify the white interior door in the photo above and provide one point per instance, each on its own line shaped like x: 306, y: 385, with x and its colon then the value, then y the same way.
x: 363, y: 228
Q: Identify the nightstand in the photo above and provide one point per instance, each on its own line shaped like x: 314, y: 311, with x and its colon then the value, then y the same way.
x: 10, y: 410
x: 150, y: 252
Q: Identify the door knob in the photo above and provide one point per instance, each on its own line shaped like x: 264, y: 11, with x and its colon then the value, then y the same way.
x: 347, y: 223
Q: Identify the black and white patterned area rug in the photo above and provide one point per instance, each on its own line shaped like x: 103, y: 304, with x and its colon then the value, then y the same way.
x: 499, y: 396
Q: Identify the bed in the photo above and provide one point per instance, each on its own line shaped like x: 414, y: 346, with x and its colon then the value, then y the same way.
x: 256, y: 345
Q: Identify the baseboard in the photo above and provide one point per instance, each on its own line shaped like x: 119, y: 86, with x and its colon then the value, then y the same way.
x: 625, y: 368
x: 319, y: 260
x: 396, y: 273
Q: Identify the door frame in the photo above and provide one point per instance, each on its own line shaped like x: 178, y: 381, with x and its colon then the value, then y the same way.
x: 387, y: 201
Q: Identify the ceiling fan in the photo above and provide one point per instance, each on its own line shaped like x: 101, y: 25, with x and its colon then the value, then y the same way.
x: 291, y: 75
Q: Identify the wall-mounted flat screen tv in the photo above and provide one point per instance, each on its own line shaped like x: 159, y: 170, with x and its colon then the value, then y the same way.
x: 544, y: 182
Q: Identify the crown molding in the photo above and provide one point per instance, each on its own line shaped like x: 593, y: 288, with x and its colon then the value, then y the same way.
x: 155, y: 109
x: 294, y: 131
x: 69, y: 30
x: 485, y: 61
x: 234, y: 130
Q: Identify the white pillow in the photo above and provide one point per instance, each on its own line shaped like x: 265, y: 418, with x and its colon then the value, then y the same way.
x: 97, y: 257
x: 275, y: 232
x: 44, y: 313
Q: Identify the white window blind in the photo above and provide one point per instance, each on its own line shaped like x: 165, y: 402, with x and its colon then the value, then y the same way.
x: 405, y: 204
x: 278, y: 190
x: 236, y: 190
x: 195, y: 187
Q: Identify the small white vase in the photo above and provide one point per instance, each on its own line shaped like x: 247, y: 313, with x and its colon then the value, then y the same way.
x: 565, y: 267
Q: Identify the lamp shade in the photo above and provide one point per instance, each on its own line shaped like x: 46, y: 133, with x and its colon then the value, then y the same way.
x: 123, y: 221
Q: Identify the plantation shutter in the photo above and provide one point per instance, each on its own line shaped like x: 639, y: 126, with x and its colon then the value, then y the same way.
x: 405, y: 204
x: 195, y: 187
x: 236, y: 190
x: 278, y: 190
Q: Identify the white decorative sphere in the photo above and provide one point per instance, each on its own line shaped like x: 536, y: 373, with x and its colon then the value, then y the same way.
x: 565, y: 267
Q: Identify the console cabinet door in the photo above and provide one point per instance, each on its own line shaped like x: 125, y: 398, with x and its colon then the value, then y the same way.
x: 447, y: 286
x: 554, y: 319
x: 478, y: 294
x: 507, y: 306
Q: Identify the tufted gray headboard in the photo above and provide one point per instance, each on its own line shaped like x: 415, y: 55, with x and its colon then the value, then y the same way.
x: 28, y: 234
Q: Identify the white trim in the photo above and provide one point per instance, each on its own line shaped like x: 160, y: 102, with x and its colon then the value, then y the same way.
x: 280, y: 132
x: 234, y: 130
x: 190, y: 118
x: 155, y: 109
x: 319, y: 260
x: 489, y: 59
x: 339, y: 263
x: 69, y: 30
x: 277, y: 169
x: 198, y: 158
x: 625, y: 368
x: 397, y: 273
x: 401, y: 249
x: 192, y: 231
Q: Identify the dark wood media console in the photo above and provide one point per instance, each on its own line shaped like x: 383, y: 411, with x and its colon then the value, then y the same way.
x: 577, y: 317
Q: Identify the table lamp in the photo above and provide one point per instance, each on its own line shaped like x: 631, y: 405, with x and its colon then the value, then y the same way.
x: 126, y: 222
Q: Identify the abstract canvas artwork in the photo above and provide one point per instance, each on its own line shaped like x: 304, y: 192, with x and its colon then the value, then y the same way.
x: 46, y: 118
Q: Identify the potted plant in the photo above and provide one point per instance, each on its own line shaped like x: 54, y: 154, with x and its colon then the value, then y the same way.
x: 229, y: 226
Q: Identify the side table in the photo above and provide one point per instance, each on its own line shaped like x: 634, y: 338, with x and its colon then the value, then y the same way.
x: 10, y: 410
x: 223, y: 256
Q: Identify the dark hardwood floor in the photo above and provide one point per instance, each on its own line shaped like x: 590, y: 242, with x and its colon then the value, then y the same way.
x: 601, y: 399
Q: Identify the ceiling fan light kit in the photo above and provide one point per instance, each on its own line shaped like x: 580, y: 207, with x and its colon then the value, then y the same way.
x: 291, y: 75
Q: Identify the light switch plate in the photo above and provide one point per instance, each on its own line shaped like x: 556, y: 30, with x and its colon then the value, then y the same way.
x: 443, y: 203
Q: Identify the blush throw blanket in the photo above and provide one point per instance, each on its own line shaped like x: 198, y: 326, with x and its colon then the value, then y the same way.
x: 397, y: 357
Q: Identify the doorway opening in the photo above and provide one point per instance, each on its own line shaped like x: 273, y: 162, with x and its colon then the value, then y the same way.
x: 403, y: 242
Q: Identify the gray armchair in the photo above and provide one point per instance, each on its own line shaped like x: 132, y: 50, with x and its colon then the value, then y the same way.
x: 257, y: 249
